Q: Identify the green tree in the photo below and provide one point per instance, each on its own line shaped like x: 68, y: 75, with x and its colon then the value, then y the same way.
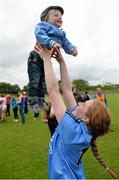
x: 26, y: 88
x: 80, y: 84
x: 7, y: 88
x: 4, y: 87
x: 15, y: 89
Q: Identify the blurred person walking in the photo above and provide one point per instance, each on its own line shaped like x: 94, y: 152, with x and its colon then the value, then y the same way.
x: 14, y: 105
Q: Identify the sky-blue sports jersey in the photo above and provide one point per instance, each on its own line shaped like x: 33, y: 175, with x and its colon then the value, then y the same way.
x: 66, y: 148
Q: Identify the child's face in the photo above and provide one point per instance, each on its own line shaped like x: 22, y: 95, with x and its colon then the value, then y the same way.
x: 55, y: 17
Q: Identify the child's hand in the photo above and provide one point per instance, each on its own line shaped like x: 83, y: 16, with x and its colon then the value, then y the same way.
x: 74, y: 52
x: 57, y: 46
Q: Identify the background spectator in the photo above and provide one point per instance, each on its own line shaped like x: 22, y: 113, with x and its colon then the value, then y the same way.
x: 77, y: 95
x: 14, y: 105
x: 101, y: 96
x: 22, y: 106
x: 8, y: 98
x: 3, y: 108
x: 85, y: 96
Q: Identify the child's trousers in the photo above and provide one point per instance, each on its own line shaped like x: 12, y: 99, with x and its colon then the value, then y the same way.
x: 37, y: 86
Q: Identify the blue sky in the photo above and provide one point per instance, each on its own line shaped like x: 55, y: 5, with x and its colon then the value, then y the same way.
x: 91, y: 25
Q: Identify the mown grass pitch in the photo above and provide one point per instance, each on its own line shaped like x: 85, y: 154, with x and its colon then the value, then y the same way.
x: 24, y: 148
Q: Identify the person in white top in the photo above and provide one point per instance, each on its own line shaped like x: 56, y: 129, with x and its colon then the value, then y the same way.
x: 3, y: 107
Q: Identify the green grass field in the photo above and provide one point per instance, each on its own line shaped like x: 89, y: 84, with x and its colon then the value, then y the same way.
x: 24, y: 148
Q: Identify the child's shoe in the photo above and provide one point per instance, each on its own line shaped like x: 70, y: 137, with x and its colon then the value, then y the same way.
x: 36, y: 109
x: 43, y: 104
x: 33, y: 100
x: 40, y: 101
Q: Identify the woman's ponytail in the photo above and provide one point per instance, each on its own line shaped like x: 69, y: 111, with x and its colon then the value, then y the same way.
x: 100, y: 160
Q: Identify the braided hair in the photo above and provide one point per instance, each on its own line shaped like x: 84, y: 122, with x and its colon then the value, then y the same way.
x: 100, y: 160
x: 99, y: 125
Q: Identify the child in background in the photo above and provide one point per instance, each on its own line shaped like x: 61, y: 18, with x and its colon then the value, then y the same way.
x: 3, y: 108
x: 14, y: 105
x: 48, y: 34
x: 50, y: 119
x: 8, y: 99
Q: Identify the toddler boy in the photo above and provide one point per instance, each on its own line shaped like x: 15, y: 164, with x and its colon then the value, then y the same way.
x: 49, y: 35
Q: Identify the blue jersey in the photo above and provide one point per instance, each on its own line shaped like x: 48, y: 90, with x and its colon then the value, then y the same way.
x: 66, y: 148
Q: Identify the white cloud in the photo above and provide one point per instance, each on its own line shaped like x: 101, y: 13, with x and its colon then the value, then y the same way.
x: 91, y: 25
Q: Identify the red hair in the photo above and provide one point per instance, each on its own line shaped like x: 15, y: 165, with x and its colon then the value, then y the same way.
x: 99, y: 124
x: 99, y: 118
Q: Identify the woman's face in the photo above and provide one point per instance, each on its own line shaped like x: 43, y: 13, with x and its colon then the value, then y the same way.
x: 55, y: 17
x: 82, y: 109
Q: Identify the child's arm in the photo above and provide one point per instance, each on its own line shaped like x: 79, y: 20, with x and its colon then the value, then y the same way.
x: 68, y: 47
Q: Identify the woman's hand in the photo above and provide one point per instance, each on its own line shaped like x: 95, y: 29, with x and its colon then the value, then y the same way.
x: 59, y: 57
x: 45, y: 53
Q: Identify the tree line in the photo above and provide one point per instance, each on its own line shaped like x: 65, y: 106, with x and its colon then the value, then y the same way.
x: 79, y: 84
x: 7, y: 88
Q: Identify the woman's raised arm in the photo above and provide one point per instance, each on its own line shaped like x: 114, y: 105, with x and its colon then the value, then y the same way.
x: 52, y: 84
